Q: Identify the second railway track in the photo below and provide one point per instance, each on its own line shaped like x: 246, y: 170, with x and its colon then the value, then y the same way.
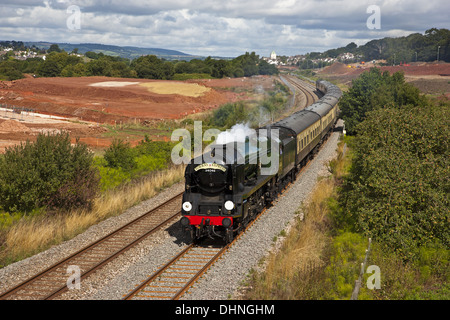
x: 52, y: 282
x: 307, y: 89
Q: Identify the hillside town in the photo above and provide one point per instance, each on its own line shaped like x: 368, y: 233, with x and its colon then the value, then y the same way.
x: 308, y: 61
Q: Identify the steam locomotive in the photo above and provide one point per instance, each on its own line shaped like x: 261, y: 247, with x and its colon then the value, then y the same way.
x: 228, y: 185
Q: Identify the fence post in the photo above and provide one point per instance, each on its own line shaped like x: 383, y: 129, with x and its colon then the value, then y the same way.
x: 361, y: 273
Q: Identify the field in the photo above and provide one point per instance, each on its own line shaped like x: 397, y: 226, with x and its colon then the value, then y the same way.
x: 93, y: 109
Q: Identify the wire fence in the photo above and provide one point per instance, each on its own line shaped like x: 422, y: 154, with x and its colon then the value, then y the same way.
x: 14, y: 112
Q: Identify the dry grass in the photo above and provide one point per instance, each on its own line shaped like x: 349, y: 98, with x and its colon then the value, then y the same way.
x: 32, y: 235
x: 301, y: 252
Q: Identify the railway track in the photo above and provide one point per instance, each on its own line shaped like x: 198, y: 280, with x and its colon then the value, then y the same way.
x: 173, y: 279
x: 53, y: 281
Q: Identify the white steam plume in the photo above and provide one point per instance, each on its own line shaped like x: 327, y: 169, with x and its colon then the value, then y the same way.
x: 237, y: 133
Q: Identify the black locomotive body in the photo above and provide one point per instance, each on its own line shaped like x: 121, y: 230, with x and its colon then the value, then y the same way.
x: 229, y: 184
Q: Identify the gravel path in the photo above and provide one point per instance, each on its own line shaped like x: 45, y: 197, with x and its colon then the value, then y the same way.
x: 222, y: 280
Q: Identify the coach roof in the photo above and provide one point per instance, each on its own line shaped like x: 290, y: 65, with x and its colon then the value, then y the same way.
x: 298, y: 121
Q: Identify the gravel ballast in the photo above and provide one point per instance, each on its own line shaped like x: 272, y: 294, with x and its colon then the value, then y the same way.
x: 221, y: 281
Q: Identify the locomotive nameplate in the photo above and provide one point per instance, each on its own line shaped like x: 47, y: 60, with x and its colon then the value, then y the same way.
x: 210, y: 166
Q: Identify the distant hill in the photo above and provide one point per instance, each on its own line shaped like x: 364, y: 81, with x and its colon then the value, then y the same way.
x: 125, y: 52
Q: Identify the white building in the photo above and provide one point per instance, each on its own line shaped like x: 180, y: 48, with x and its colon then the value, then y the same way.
x: 273, y: 56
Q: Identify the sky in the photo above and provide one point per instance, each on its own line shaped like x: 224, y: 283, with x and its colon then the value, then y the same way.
x: 226, y: 28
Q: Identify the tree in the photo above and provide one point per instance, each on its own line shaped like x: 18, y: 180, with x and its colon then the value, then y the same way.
x: 99, y: 67
x: 54, y: 64
x: 248, y: 62
x: 122, y: 70
x: 220, y: 69
x: 230, y: 114
x: 150, y: 67
x: 54, y: 48
x: 267, y: 68
x: 351, y: 46
x: 405, y: 48
x: 10, y: 70
x: 91, y: 55
x: 373, y: 89
x: 185, y: 67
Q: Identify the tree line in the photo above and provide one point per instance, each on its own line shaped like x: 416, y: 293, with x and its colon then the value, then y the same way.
x: 415, y: 47
x: 59, y: 63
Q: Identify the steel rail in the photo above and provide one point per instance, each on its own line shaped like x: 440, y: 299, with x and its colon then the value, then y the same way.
x: 122, y: 247
x: 304, y: 88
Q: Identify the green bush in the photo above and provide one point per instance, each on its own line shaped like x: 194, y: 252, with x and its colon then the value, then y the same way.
x: 8, y: 219
x: 112, y: 177
x: 398, y: 187
x: 158, y: 149
x: 148, y: 163
x: 230, y: 114
x: 122, y: 163
x: 120, y: 155
x: 434, y: 260
x: 10, y: 70
x: 187, y: 76
x: 50, y: 172
x: 426, y: 278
